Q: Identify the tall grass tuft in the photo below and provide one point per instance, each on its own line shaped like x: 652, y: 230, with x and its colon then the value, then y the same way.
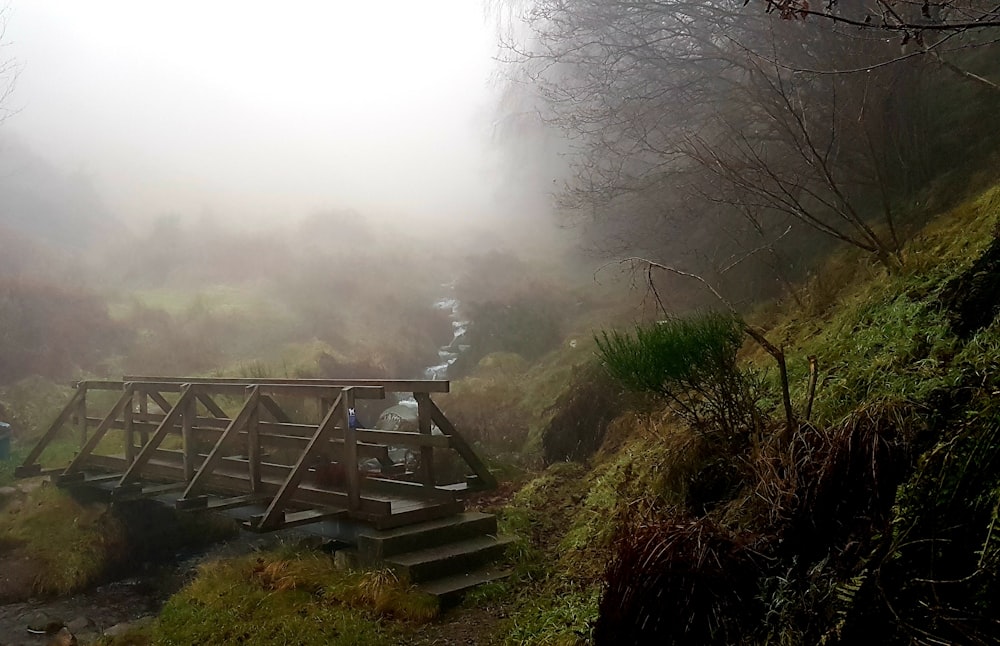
x: 691, y: 362
x: 679, y: 581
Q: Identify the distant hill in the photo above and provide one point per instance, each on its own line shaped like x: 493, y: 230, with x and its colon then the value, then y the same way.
x: 39, y: 201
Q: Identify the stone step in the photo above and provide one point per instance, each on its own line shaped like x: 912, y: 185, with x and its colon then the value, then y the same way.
x: 450, y: 589
x: 447, y: 560
x: 374, y: 546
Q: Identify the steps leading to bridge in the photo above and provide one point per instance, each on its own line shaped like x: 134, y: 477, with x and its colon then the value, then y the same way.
x: 379, y: 545
x: 443, y: 557
x: 433, y: 563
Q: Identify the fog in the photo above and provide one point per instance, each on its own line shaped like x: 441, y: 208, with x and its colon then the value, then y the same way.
x: 260, y: 111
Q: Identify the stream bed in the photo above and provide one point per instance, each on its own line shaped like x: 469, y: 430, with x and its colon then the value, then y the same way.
x: 111, y: 608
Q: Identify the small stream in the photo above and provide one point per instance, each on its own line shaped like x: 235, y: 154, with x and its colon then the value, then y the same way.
x: 449, y: 352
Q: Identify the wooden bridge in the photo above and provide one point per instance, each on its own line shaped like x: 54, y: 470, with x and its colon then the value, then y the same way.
x: 282, y: 450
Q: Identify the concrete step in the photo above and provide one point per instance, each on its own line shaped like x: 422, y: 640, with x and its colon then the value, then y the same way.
x: 447, y: 560
x: 449, y: 590
x: 374, y: 545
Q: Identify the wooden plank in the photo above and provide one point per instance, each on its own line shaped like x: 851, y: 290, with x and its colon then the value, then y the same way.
x: 98, y: 384
x: 314, y: 390
x: 135, y: 490
x: 459, y: 444
x: 219, y: 423
x: 160, y: 400
x: 147, y: 386
x: 430, y: 511
x: 200, y: 477
x: 299, y: 443
x: 390, y: 385
x: 144, y: 409
x: 128, y: 424
x: 299, y: 518
x: 403, y: 438
x: 405, y: 489
x: 81, y: 416
x: 235, y: 502
x: 52, y: 431
x: 187, y: 435
x: 253, y: 448
x: 148, y: 448
x: 163, y: 488
x: 350, y: 449
x: 323, y: 434
x: 120, y: 424
x: 226, y: 481
x: 224, y: 389
x: 426, y: 450
x: 122, y: 404
x: 283, y: 428
x: 275, y: 410
x: 211, y: 406
x: 80, y: 478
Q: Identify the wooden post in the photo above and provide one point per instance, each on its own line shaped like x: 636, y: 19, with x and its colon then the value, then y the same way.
x: 253, y: 446
x: 187, y: 436
x: 144, y: 408
x: 81, y: 415
x: 129, y: 414
x: 426, y: 452
x: 350, y: 451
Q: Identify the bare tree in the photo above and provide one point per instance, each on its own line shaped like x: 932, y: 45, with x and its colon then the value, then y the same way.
x: 671, y: 108
x: 9, y: 67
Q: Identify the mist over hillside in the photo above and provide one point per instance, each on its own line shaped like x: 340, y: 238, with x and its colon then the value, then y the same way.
x: 43, y: 202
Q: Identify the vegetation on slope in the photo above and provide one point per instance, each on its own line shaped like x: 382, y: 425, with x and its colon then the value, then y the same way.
x: 877, y: 521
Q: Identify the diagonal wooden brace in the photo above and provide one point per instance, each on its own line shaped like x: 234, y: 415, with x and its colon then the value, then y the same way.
x: 166, y: 425
x: 102, y: 429
x: 324, y: 433
x: 232, y: 431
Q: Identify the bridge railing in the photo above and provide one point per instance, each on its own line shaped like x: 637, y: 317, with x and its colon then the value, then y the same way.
x: 148, y: 410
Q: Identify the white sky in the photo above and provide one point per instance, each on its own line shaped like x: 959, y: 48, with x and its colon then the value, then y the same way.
x: 260, y: 109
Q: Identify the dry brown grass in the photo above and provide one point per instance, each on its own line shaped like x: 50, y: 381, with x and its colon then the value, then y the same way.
x: 679, y: 581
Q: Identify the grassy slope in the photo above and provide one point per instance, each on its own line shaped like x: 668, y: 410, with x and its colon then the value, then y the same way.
x: 881, y: 340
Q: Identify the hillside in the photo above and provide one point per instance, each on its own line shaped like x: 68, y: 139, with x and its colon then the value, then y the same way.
x: 872, y: 522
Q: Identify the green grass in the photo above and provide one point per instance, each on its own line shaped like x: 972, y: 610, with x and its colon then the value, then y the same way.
x: 286, y: 597
x: 222, y: 299
x: 72, y: 543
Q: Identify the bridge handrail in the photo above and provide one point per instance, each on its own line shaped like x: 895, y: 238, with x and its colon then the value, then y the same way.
x: 390, y: 385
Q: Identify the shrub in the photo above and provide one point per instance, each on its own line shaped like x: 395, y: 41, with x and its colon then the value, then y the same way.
x: 691, y: 362
x: 679, y: 581
x: 51, y: 330
x: 487, y: 408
